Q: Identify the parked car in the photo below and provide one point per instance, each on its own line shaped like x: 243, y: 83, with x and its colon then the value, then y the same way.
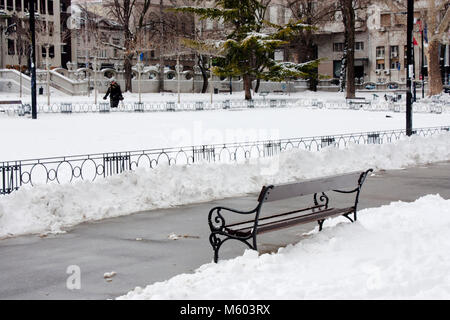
x: 370, y: 86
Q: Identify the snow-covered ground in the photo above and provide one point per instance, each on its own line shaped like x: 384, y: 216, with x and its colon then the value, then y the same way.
x: 54, y: 207
x: 398, y: 251
x: 62, y: 134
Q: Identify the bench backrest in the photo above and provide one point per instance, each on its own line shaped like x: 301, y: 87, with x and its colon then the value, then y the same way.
x: 307, y: 187
x: 11, y: 102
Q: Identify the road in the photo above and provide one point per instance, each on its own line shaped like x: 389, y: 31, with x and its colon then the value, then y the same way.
x: 138, y: 248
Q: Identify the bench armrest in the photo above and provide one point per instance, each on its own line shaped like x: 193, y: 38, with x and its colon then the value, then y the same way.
x: 216, y: 220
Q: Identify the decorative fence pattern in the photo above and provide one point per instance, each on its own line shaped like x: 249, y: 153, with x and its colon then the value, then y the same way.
x: 432, y: 106
x: 154, y: 106
x: 14, y: 174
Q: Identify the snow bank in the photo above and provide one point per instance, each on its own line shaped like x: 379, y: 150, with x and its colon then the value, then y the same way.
x: 399, y: 251
x: 53, y: 207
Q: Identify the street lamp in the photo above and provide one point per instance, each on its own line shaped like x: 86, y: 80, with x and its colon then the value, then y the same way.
x: 410, y: 66
x: 32, y: 15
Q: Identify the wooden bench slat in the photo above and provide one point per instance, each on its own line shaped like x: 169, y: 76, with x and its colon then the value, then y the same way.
x: 291, y: 190
x: 274, y: 216
x: 303, y: 219
x: 11, y: 102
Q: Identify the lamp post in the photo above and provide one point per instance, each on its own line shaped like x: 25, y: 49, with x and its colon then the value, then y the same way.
x: 33, y: 60
x: 95, y: 66
x: 140, y: 68
x: 47, y: 67
x: 211, y: 78
x: 410, y: 67
x: 178, y: 67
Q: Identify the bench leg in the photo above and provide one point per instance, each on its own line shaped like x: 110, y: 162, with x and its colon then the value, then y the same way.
x: 320, y: 224
x: 215, y: 242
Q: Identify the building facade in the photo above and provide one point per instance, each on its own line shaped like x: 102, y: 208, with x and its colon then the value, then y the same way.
x: 51, y: 43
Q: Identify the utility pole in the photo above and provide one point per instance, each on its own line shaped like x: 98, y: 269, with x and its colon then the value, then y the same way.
x: 33, y: 60
x: 423, y: 62
x: 410, y: 67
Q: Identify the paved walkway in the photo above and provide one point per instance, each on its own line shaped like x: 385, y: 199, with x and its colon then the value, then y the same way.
x: 138, y: 249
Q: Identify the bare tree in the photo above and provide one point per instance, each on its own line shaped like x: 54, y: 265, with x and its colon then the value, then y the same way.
x: 438, y: 19
x: 349, y: 9
x: 131, y: 15
x: 314, y: 14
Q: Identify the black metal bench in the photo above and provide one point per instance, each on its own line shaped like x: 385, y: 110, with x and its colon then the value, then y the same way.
x: 318, y: 211
x: 357, y: 102
x: 12, y: 102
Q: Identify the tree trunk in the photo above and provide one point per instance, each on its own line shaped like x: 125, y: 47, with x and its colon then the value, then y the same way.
x: 348, y: 18
x: 204, y: 74
x: 258, y: 83
x: 247, y: 87
x: 128, y: 73
x: 434, y: 70
x: 342, y: 74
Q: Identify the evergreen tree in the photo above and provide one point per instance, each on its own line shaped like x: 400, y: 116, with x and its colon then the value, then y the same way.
x: 251, y: 42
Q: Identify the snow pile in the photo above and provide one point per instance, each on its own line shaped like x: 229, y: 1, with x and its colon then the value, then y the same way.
x: 53, y: 207
x: 399, y: 251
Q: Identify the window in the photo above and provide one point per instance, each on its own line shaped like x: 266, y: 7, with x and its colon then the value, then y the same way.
x: 50, y: 7
x: 18, y: 5
x: 395, y: 65
x: 2, y: 5
x: 359, y: 46
x: 380, y: 65
x: 152, y: 54
x: 9, y: 5
x: 273, y: 11
x: 50, y: 28
x: 44, y: 51
x: 11, y: 47
x: 385, y: 20
x: 380, y: 53
x: 209, y: 24
x: 116, y: 41
x: 42, y: 6
x: 51, y: 52
x: 338, y: 46
x: 394, y: 52
x: 287, y: 15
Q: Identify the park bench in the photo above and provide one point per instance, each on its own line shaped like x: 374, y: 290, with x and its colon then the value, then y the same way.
x: 104, y: 107
x: 66, y: 107
x: 11, y: 102
x: 264, y: 94
x: 138, y: 107
x: 170, y: 106
x: 226, y: 104
x: 317, y: 211
x: 199, y: 105
x: 356, y: 102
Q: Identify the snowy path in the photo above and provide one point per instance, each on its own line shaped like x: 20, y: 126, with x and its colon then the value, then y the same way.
x: 138, y: 249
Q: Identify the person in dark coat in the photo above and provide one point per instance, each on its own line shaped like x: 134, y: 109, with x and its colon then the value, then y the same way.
x: 115, y: 94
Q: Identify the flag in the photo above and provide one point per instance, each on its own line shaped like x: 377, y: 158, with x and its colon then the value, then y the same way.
x: 415, y: 42
x: 419, y: 22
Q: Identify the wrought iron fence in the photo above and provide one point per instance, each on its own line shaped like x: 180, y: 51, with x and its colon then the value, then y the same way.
x: 104, y: 107
x: 435, y: 106
x: 14, y: 174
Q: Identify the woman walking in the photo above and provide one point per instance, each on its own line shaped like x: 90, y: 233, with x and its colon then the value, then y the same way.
x: 115, y: 94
